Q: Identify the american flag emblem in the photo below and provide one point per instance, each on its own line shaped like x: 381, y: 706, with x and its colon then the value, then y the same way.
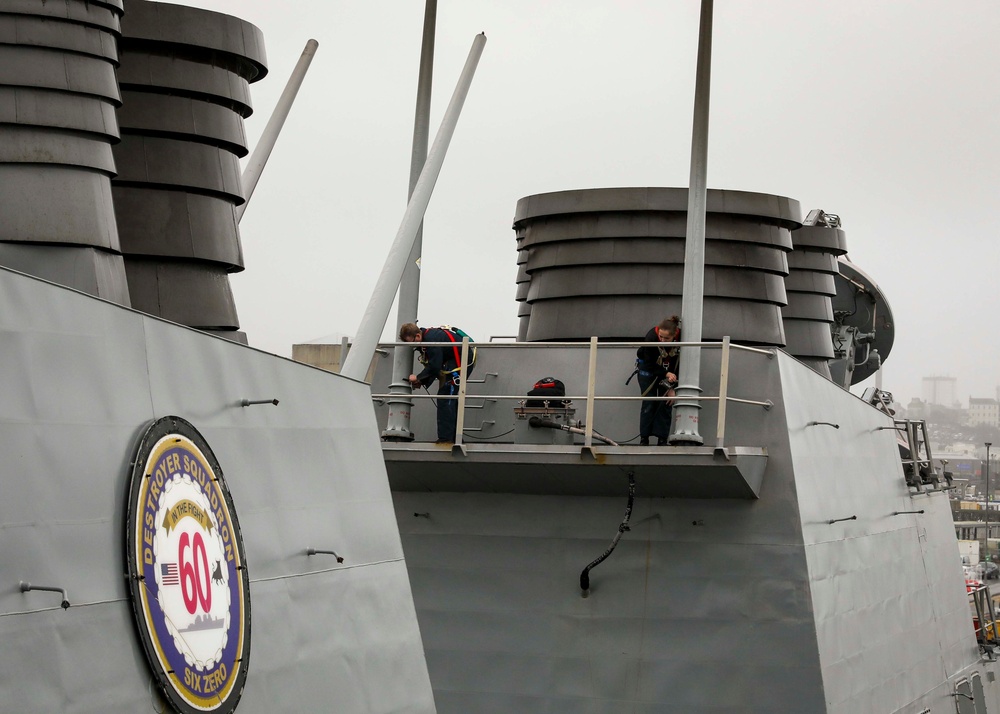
x: 169, y: 573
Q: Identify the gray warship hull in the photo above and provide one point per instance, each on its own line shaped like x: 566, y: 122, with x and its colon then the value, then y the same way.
x: 794, y: 566
x: 81, y: 380
x: 819, y: 582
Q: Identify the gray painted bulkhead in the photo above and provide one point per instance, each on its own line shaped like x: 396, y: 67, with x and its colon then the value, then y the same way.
x: 81, y: 380
x: 707, y: 605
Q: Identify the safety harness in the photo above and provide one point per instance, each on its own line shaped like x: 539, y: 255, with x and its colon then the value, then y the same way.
x: 452, y: 374
x: 665, y: 353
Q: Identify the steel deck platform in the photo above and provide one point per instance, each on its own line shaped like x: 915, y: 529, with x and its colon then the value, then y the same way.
x: 665, y: 472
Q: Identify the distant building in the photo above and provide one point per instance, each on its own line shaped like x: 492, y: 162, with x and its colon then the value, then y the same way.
x: 940, y: 390
x: 961, y: 465
x: 984, y: 411
x: 325, y: 353
x: 916, y: 409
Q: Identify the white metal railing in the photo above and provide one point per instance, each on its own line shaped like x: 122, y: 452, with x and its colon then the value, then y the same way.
x: 591, y: 398
x: 984, y: 613
x: 918, y: 469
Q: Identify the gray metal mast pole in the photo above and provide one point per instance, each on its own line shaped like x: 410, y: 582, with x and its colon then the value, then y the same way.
x: 397, y: 426
x: 987, y: 541
x: 262, y: 152
x: 374, y: 319
x: 685, y: 429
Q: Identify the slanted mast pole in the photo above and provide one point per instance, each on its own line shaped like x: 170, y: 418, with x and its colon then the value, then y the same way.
x: 262, y: 152
x: 398, y: 423
x: 685, y: 427
x: 377, y: 313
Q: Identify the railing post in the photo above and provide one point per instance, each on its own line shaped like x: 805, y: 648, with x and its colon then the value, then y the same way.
x: 588, y: 439
x: 911, y: 439
x: 460, y: 422
x: 930, y: 458
x: 720, y: 428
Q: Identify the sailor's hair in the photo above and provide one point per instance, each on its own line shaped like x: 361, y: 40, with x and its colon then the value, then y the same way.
x: 408, y: 329
x: 670, y: 323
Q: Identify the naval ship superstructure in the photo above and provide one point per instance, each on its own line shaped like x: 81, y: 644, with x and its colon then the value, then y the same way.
x: 802, y: 559
x: 188, y: 524
x: 790, y: 550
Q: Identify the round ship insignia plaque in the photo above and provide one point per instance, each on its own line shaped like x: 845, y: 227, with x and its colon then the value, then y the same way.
x: 186, y: 567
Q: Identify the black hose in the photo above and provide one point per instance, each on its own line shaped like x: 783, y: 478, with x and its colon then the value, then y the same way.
x: 585, y: 575
x: 539, y: 423
x: 485, y: 438
x: 599, y: 437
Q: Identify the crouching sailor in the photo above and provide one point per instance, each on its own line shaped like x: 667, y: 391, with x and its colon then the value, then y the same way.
x: 443, y: 364
x: 656, y: 368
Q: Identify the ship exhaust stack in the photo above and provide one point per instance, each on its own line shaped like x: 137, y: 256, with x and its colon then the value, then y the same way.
x: 811, y: 283
x: 58, y: 96
x: 610, y: 262
x: 184, y: 76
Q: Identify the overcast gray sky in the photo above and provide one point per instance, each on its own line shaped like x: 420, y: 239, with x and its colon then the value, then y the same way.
x: 885, y: 113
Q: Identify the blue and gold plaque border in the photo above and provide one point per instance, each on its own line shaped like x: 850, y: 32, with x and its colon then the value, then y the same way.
x: 155, y: 433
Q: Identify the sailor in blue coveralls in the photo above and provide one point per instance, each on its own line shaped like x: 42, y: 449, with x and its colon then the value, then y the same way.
x: 442, y: 364
x: 656, y: 368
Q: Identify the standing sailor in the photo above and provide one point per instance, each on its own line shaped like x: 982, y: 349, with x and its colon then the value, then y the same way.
x: 656, y: 368
x: 441, y: 363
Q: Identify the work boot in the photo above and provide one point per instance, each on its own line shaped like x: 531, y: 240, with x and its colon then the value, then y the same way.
x: 644, y: 441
